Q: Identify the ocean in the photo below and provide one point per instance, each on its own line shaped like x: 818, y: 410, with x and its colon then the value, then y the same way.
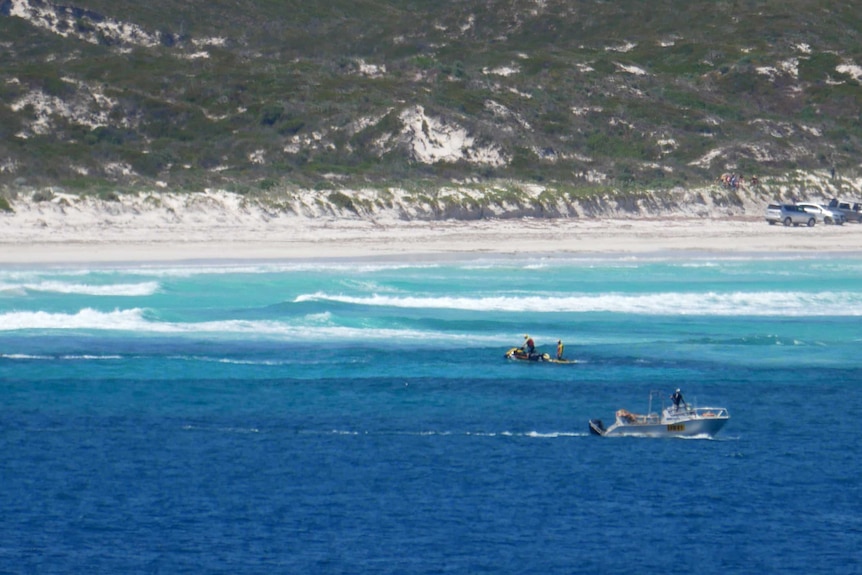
x: 359, y: 416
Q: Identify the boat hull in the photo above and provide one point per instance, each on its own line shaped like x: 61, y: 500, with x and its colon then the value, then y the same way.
x: 516, y: 354
x: 678, y: 420
x: 699, y: 427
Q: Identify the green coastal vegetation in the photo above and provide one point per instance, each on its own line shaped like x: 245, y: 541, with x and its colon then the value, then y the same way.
x: 587, y: 99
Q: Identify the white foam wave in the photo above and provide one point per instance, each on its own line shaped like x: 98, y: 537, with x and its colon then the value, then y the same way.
x: 123, y: 290
x: 87, y: 357
x: 796, y: 304
x: 354, y: 267
x: 135, y: 320
x: 229, y: 361
x: 24, y: 356
x: 87, y: 318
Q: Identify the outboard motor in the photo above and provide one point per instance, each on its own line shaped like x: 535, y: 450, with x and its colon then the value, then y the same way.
x: 597, y: 427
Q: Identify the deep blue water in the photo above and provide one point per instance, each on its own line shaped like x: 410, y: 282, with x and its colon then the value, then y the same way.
x: 359, y: 417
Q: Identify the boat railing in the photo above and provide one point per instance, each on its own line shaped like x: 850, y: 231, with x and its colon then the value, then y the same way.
x: 707, y: 412
x: 673, y: 413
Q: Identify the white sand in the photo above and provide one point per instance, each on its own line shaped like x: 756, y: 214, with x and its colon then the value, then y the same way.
x: 101, y: 232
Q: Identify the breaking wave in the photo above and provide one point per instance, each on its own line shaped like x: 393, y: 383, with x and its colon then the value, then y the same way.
x: 122, y: 290
x: 136, y: 320
x: 87, y: 318
x: 84, y: 357
x: 794, y: 304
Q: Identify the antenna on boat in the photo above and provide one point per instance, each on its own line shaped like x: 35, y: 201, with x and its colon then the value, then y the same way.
x: 651, y: 394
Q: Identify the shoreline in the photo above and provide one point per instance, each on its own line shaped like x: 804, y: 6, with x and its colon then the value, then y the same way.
x: 223, y: 226
x: 304, y: 239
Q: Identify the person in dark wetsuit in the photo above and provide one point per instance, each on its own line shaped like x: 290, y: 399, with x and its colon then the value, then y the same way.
x: 677, y: 399
x: 529, y: 346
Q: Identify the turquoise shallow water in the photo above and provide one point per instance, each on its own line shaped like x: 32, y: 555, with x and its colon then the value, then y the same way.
x: 359, y: 416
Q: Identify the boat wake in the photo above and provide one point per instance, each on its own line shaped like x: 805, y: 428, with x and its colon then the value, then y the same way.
x: 430, y: 433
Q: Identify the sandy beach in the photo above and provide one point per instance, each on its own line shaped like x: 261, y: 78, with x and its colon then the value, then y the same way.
x: 102, y: 232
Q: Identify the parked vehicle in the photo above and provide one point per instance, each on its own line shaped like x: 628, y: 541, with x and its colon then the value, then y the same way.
x: 852, y: 211
x: 788, y: 214
x: 823, y: 214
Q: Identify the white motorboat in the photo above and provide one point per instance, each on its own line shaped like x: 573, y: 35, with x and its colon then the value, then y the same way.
x: 680, y: 420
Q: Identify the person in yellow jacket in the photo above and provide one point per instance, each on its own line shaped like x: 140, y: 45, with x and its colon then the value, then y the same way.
x: 560, y: 349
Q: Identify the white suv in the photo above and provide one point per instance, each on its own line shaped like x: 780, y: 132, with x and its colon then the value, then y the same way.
x: 788, y: 214
x: 823, y: 214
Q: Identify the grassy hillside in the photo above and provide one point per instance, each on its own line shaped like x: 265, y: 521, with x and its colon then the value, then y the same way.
x: 258, y: 95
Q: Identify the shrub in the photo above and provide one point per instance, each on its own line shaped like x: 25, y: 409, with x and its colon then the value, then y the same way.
x: 271, y: 114
x: 818, y: 66
x: 43, y: 196
x: 342, y: 201
x: 267, y: 184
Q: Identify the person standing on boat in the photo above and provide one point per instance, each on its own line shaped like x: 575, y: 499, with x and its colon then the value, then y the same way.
x: 560, y: 348
x: 677, y: 399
